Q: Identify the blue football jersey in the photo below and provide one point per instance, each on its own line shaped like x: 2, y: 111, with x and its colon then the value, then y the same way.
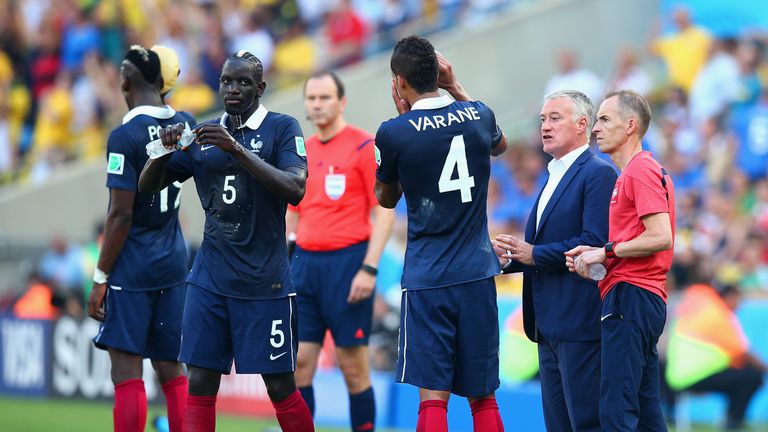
x: 154, y: 255
x: 439, y: 152
x: 243, y: 254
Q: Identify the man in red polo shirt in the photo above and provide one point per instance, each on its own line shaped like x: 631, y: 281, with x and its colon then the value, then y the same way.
x: 340, y: 234
x: 638, y: 255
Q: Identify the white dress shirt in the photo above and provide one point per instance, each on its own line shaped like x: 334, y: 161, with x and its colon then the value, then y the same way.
x: 557, y: 169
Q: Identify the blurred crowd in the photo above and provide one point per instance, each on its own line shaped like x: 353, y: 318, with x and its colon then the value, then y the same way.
x: 710, y: 131
x: 59, y: 60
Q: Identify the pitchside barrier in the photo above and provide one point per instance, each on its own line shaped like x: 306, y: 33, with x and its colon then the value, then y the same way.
x: 56, y: 359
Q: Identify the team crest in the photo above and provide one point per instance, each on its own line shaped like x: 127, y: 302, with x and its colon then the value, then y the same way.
x: 256, y: 146
x: 115, y: 163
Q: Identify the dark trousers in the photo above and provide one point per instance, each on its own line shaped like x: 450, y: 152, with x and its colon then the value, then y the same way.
x: 632, y: 320
x: 570, y: 384
x: 739, y: 385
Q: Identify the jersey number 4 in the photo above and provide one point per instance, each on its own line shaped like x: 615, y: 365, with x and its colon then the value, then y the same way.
x: 457, y: 157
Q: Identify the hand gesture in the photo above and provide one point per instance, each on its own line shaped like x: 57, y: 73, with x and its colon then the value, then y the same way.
x: 96, y: 301
x: 170, y: 135
x: 445, y: 77
x: 516, y: 249
x: 216, y: 134
x: 401, y: 105
x: 362, y: 287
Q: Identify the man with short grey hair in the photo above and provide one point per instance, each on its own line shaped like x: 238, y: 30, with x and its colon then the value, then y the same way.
x: 562, y: 313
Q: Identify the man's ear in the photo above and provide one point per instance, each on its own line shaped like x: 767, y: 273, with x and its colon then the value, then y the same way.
x: 631, y: 126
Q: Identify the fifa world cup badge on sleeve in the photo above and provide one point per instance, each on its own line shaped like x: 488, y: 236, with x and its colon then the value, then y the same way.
x: 115, y: 163
x: 300, y: 149
x: 378, y: 155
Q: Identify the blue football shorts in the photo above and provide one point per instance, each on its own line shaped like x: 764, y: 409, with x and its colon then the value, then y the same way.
x: 147, y: 323
x: 259, y: 335
x: 449, y: 339
x: 323, y: 281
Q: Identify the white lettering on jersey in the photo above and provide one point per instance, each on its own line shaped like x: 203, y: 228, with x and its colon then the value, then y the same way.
x: 437, y: 121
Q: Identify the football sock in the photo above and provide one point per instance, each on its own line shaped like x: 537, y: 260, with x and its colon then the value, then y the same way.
x: 308, y: 394
x: 293, y: 414
x: 175, y: 392
x: 362, y: 411
x: 200, y: 414
x: 130, y: 410
x: 485, y: 415
x: 433, y: 416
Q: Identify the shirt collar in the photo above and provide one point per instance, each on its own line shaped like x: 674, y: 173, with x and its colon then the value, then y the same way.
x: 164, y: 112
x: 571, y: 157
x: 253, y: 122
x: 432, y: 103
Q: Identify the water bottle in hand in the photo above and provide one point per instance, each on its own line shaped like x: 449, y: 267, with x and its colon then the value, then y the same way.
x: 596, y: 271
x: 155, y: 149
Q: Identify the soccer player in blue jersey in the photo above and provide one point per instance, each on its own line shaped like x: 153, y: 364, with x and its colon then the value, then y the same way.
x: 247, y: 165
x: 138, y: 286
x: 437, y: 153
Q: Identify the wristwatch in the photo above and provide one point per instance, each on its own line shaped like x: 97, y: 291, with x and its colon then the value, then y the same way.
x: 609, y: 250
x: 371, y: 270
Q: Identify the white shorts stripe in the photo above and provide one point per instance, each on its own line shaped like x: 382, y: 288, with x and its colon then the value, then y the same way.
x: 405, y: 336
x: 290, y: 331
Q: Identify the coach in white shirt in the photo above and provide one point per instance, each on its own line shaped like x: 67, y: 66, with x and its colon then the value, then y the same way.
x: 560, y: 312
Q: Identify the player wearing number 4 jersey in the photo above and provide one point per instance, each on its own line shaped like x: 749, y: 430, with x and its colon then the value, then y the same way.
x: 240, y: 305
x: 138, y: 288
x: 437, y: 154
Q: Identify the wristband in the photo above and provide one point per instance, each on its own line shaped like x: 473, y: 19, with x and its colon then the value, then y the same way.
x: 610, y: 250
x: 371, y: 270
x: 99, y: 276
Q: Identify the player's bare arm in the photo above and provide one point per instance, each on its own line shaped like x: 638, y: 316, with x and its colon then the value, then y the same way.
x: 116, y: 229
x: 288, y: 184
x: 153, y: 179
x: 388, y: 194
x: 364, y: 282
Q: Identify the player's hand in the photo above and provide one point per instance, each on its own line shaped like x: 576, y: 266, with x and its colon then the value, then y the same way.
x: 518, y: 249
x: 96, y: 301
x: 445, y: 77
x: 401, y: 105
x: 581, y: 252
x: 362, y: 287
x: 216, y: 134
x: 170, y: 135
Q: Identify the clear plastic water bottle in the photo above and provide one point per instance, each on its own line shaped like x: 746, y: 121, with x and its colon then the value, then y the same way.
x: 155, y: 148
x: 597, y: 271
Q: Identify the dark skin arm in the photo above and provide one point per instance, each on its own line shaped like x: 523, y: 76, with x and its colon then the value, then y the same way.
x: 388, y: 194
x: 115, y: 232
x: 152, y: 178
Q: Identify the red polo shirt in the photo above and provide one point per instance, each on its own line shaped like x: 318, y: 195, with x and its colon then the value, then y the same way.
x: 336, y: 209
x: 639, y: 192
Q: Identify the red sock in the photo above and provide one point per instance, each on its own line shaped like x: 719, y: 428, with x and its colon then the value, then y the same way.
x: 130, y: 411
x: 175, y: 392
x: 293, y: 414
x: 433, y: 416
x: 485, y: 415
x: 200, y: 414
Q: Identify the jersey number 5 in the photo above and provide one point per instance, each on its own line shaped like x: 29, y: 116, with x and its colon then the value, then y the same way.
x: 230, y: 193
x: 457, y: 157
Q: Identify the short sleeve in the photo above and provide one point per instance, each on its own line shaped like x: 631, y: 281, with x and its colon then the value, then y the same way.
x: 495, y: 130
x: 647, y: 193
x: 122, y: 162
x: 366, y: 163
x: 385, y: 157
x: 292, y: 151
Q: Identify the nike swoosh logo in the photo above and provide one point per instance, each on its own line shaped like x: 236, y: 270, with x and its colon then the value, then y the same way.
x: 115, y: 287
x: 206, y: 147
x: 602, y: 318
x: 275, y: 357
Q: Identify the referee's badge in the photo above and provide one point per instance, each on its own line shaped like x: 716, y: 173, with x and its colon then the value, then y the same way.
x: 335, y: 185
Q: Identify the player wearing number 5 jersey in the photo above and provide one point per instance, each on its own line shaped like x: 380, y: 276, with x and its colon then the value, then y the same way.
x: 138, y: 289
x: 437, y: 153
x: 247, y: 165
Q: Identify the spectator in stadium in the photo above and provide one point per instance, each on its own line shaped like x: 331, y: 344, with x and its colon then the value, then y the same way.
x: 638, y: 257
x: 241, y: 299
x: 340, y: 234
x: 449, y: 293
x: 572, y: 77
x: 709, y: 352
x: 142, y: 262
x: 561, y: 313
x: 684, y: 51
x: 347, y: 34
